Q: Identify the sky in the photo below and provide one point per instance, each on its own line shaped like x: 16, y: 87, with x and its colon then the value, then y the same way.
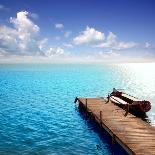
x: 56, y: 31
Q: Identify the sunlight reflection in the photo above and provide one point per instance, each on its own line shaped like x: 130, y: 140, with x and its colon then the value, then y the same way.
x: 140, y: 81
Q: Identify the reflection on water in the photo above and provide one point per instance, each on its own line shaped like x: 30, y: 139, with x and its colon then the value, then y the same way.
x: 140, y: 82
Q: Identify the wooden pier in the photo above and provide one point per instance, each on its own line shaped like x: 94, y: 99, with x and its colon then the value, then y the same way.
x: 133, y: 134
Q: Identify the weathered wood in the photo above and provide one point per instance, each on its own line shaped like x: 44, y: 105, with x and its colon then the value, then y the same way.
x: 134, y: 135
x: 86, y: 103
x: 100, y: 116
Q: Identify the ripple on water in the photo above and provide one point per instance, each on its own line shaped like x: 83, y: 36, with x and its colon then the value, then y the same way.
x: 38, y: 115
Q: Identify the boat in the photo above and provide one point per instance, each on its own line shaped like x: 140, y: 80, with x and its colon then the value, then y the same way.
x: 128, y: 102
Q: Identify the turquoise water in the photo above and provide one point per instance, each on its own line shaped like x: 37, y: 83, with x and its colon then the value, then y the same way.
x: 37, y: 113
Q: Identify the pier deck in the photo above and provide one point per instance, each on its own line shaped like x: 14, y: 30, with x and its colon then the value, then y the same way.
x: 134, y: 135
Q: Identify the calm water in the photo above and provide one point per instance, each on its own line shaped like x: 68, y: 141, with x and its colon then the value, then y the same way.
x: 37, y: 113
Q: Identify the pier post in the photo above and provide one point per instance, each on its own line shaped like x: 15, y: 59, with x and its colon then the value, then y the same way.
x: 101, y: 117
x: 127, y: 110
x: 86, y: 103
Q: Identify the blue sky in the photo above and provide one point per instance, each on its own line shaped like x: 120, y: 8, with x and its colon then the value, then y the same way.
x: 77, y: 30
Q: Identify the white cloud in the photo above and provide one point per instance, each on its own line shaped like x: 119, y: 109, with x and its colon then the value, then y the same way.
x: 112, y: 42
x: 59, y: 26
x: 57, y: 38
x: 2, y: 52
x: 125, y: 45
x: 23, y: 38
x: 8, y: 39
x: 67, y: 34
x: 54, y: 51
x: 147, y: 45
x: 90, y: 35
x: 23, y: 24
x: 34, y: 15
x: 108, y: 54
x: 41, y: 43
x: 68, y: 45
x: 111, y: 39
x: 3, y: 8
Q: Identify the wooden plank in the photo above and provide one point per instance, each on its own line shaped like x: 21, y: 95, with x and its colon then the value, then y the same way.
x: 134, y: 135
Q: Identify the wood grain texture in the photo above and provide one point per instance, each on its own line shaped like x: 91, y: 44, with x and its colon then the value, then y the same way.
x: 133, y: 134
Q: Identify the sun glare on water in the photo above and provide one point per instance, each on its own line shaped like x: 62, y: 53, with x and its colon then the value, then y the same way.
x: 140, y: 81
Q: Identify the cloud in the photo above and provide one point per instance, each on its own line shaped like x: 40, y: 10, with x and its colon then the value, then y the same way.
x: 108, y: 54
x: 23, y: 24
x: 90, y: 35
x: 54, y: 51
x: 147, y: 45
x: 112, y: 42
x: 125, y: 45
x: 67, y: 34
x: 59, y: 26
x: 42, y: 44
x: 23, y: 38
x: 8, y: 39
x: 3, y: 8
x: 57, y: 38
x: 68, y: 45
x: 34, y: 15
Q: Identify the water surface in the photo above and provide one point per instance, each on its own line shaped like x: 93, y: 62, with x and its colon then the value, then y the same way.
x: 37, y: 113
